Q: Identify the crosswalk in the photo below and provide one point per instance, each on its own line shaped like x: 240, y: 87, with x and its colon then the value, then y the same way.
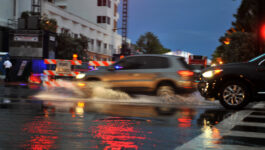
x: 244, y: 130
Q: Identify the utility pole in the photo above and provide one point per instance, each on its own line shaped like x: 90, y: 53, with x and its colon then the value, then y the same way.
x: 124, y: 49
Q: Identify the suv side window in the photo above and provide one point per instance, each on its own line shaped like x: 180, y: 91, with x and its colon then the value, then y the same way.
x: 184, y: 63
x: 128, y: 64
x: 142, y: 62
x: 155, y: 62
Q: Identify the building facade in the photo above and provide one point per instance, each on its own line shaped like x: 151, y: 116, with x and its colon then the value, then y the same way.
x: 10, y: 11
x: 95, y: 19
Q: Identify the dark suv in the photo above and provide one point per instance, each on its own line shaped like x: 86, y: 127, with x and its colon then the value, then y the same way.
x: 163, y: 74
x: 235, y: 85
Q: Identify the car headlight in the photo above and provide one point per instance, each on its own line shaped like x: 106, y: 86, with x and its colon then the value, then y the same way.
x: 211, y: 73
x: 80, y: 76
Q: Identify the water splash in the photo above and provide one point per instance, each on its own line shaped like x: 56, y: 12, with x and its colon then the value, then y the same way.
x: 85, y: 90
x: 101, y: 92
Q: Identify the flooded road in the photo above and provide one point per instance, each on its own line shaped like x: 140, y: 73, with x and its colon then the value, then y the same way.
x: 37, y: 119
x: 78, y: 125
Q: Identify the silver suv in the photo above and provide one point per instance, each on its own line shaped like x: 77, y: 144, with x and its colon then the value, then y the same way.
x: 162, y: 74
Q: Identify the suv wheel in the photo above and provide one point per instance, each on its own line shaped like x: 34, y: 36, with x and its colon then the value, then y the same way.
x: 166, y: 92
x: 234, y: 95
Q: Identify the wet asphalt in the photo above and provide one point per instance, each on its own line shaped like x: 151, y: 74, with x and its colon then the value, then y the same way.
x: 38, y: 124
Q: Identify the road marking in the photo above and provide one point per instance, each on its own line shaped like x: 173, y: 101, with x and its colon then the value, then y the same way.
x: 226, y: 134
x: 261, y: 92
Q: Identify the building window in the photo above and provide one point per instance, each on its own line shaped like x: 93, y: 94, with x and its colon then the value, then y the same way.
x: 105, y: 48
x: 51, y: 1
x: 99, y: 19
x: 103, y: 19
x: 98, y: 45
x: 88, y: 46
x: 104, y: 3
x: 99, y: 2
x: 76, y: 36
x: 109, y: 3
x: 111, y: 47
x: 92, y: 44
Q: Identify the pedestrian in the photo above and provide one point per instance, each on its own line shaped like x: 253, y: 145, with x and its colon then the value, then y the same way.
x: 8, y: 66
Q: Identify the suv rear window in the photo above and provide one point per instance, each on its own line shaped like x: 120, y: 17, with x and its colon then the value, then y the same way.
x: 184, y: 63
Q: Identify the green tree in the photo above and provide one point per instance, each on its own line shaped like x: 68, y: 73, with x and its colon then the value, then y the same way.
x: 150, y: 44
x: 67, y: 46
x: 239, y: 43
x: 45, y: 23
x: 242, y: 47
x: 48, y: 24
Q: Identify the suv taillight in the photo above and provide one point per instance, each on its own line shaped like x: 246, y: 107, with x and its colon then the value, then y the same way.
x: 185, y: 73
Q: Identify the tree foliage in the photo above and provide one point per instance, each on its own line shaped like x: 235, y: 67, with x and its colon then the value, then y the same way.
x: 45, y: 23
x: 48, y: 24
x: 150, y: 44
x: 239, y: 43
x: 241, y: 48
x: 67, y: 46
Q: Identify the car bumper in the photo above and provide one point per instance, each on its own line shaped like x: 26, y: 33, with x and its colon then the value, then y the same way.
x: 208, y: 89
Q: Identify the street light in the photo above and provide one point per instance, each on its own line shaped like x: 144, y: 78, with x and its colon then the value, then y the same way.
x: 75, y: 56
x: 227, y: 41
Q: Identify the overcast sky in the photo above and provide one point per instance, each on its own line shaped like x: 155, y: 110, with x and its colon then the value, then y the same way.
x: 190, y: 25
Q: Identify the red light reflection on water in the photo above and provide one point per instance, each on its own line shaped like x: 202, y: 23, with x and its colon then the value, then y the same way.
x: 118, y: 134
x: 185, y: 118
x: 43, y: 135
x: 184, y: 122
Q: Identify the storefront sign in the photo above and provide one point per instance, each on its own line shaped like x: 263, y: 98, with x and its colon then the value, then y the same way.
x: 21, y: 38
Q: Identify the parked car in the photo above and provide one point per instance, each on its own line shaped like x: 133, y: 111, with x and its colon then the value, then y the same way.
x: 161, y: 74
x: 235, y: 84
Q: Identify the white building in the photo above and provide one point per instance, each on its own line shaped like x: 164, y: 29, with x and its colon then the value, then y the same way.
x: 180, y: 53
x: 94, y: 19
x: 10, y: 11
